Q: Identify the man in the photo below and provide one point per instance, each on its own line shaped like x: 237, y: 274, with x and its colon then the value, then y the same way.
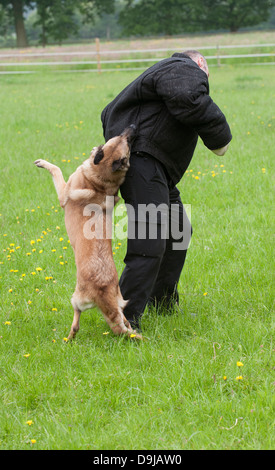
x: 170, y: 106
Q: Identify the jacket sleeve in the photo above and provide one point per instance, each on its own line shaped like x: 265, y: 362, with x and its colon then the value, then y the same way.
x: 184, y: 89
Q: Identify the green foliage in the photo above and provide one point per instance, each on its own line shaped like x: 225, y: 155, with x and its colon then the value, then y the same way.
x: 233, y: 14
x: 158, y: 17
x: 143, y: 17
x: 55, y: 18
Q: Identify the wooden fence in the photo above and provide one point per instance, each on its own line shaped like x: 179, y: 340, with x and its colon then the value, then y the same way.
x: 96, y: 58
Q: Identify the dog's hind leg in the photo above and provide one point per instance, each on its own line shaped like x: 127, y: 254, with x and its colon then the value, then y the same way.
x: 75, y: 324
x: 58, y: 179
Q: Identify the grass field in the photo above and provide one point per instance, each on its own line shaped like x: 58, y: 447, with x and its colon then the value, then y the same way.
x: 183, y: 388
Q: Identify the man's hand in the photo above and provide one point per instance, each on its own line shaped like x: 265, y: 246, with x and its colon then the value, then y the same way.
x: 221, y: 151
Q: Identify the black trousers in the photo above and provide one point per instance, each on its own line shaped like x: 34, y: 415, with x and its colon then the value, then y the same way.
x: 159, y: 233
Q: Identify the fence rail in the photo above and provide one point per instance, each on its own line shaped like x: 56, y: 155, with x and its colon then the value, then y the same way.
x: 98, y: 52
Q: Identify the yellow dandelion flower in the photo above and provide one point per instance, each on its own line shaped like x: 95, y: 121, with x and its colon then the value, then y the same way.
x: 54, y: 309
x: 32, y: 242
x: 29, y: 422
x: 224, y: 377
x: 65, y: 339
x: 29, y: 302
x: 239, y: 377
x: 7, y: 323
x: 10, y: 290
x: 239, y: 364
x: 33, y: 441
x: 132, y: 335
x: 105, y: 333
x: 26, y: 355
x: 38, y: 269
x: 205, y: 293
x: 61, y: 239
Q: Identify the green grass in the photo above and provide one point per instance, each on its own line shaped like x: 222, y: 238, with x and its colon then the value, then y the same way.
x: 104, y: 392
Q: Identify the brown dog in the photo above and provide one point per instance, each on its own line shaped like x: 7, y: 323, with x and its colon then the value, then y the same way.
x: 87, y: 189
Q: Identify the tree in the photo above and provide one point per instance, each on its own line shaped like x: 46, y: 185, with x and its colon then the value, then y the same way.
x: 16, y: 9
x: 141, y: 17
x: 234, y: 14
x: 57, y: 17
x: 61, y: 19
x: 168, y: 17
x: 5, y: 21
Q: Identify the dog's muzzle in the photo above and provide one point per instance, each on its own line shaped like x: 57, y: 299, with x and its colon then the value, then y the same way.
x: 129, y: 133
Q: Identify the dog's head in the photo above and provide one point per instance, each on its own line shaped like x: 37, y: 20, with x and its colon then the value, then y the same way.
x: 112, y: 159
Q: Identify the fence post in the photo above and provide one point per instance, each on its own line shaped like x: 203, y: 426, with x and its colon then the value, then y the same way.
x: 218, y: 55
x: 97, y: 43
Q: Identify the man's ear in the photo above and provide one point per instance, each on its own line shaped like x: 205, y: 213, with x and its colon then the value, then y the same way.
x: 99, y: 155
x: 200, y: 62
x: 116, y: 164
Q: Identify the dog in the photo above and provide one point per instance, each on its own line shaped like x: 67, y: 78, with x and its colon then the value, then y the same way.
x: 96, y: 181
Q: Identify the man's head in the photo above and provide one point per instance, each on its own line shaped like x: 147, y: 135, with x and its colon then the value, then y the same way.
x: 199, y: 59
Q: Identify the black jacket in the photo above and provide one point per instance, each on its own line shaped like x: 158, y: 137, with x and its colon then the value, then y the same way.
x: 170, y: 106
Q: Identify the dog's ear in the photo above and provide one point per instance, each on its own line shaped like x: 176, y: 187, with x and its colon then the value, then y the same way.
x: 117, y: 164
x: 99, y: 155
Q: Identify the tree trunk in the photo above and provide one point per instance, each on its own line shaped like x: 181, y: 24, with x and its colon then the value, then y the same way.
x: 21, y: 36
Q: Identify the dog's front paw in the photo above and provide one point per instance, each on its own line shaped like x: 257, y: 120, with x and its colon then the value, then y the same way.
x: 135, y: 335
x: 40, y: 163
